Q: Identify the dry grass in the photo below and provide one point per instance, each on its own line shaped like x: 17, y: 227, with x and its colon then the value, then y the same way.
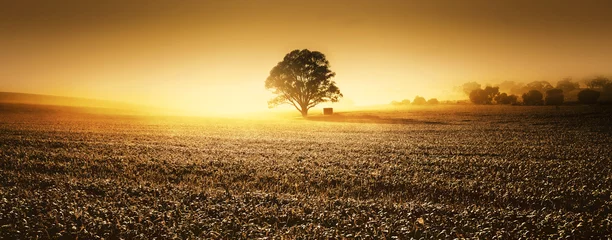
x: 444, y: 172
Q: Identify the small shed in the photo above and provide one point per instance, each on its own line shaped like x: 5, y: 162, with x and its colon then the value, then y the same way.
x: 328, y: 111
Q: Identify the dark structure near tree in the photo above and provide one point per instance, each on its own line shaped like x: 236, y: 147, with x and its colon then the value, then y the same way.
x: 302, y: 79
x: 328, y: 111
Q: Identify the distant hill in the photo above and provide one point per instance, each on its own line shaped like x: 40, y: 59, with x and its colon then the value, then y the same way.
x: 38, y: 99
x: 91, y: 104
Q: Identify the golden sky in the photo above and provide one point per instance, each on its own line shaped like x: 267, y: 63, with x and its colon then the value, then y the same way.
x: 214, y: 56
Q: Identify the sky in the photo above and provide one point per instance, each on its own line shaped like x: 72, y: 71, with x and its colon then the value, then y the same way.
x: 214, y: 56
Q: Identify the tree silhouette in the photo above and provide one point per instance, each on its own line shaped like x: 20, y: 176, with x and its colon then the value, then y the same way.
x: 554, y: 97
x: 403, y: 102
x: 607, y: 88
x: 598, y: 82
x: 541, y: 86
x: 433, y: 101
x: 302, y: 79
x: 533, y: 97
x: 588, y: 96
x: 567, y: 85
x: 479, y: 96
x: 469, y: 87
x: 491, y: 92
x: 418, y: 100
x: 484, y: 96
x: 504, y: 98
x: 511, y: 87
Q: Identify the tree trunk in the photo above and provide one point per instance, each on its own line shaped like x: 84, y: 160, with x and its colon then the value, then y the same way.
x: 304, y: 112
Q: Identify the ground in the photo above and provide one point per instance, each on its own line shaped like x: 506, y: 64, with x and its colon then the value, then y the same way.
x: 421, y: 172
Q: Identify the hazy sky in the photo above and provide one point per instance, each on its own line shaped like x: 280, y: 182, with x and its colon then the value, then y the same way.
x: 211, y: 56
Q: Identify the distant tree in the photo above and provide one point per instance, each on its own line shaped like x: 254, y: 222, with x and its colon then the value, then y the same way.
x: 512, y: 99
x: 541, y: 86
x: 403, y: 102
x: 302, y: 79
x: 511, y: 87
x: 567, y: 85
x: 433, y: 101
x: 491, y: 92
x: 588, y: 96
x: 479, y: 96
x: 598, y: 82
x: 504, y: 98
x: 501, y: 98
x: 533, y: 97
x: 484, y: 96
x: 418, y: 100
x: 606, y: 93
x: 608, y: 88
x: 469, y: 87
x: 554, y: 97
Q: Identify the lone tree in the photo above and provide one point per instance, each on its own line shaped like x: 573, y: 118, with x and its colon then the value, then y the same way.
x: 302, y: 79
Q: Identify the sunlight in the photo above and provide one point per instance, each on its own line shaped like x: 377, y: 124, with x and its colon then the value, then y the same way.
x: 217, y: 99
x: 275, y: 119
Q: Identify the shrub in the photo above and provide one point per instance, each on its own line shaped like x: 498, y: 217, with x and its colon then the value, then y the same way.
x: 554, y: 97
x: 533, y: 97
x: 588, y: 96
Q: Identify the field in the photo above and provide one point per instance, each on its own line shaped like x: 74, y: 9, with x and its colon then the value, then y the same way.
x: 441, y: 172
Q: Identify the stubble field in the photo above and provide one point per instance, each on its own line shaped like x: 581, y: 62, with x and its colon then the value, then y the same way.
x: 443, y: 172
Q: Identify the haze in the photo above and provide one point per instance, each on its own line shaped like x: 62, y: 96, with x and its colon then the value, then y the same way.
x: 213, y: 56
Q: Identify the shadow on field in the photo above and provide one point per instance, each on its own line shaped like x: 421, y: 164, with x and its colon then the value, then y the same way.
x: 368, y: 118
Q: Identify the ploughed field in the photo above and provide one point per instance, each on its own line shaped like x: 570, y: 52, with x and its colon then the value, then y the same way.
x: 442, y: 172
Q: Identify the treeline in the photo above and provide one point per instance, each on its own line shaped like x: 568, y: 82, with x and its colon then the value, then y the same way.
x: 598, y: 89
x: 418, y: 100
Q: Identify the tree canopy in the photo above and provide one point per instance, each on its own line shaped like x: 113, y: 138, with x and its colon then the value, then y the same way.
x: 588, y: 96
x: 303, y: 79
x: 484, y: 96
x: 567, y: 85
x: 598, y: 82
x: 418, y: 100
x: 554, y: 97
x: 504, y: 98
x: 540, y: 86
x: 533, y: 97
x: 469, y: 87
